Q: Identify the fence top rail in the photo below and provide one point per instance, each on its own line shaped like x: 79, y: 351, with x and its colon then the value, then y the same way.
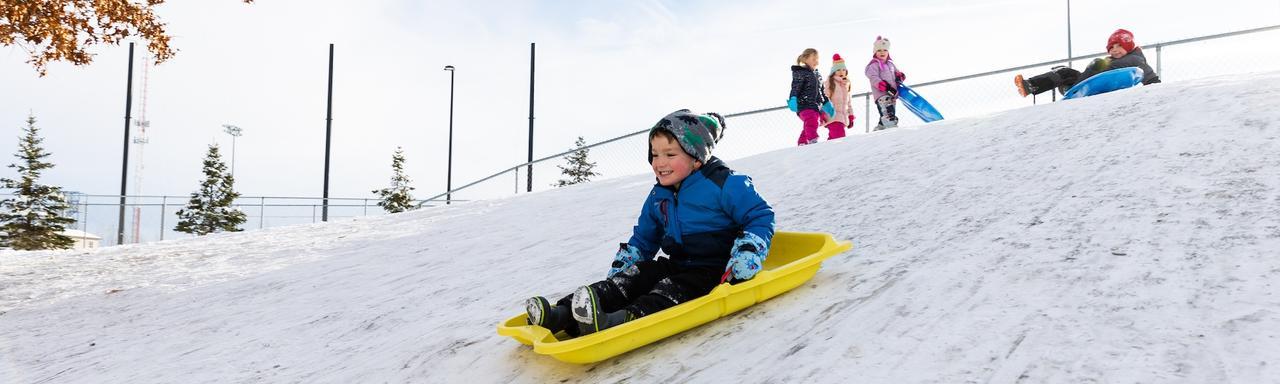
x: 738, y: 114
x: 181, y: 197
x: 867, y: 94
x: 1082, y: 57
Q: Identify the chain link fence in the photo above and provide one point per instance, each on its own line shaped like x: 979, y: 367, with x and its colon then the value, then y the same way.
x: 755, y: 132
x: 152, y: 218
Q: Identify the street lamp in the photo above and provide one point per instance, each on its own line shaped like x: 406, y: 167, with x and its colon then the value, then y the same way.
x: 448, y: 181
x: 234, y: 131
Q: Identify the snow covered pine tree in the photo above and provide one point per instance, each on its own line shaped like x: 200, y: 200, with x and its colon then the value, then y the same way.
x: 209, y: 209
x: 33, y: 219
x: 396, y: 198
x: 579, y: 170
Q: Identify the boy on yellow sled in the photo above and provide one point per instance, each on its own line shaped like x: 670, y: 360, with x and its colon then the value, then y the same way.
x: 709, y: 220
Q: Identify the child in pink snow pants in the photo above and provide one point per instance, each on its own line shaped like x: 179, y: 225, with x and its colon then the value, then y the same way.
x: 837, y: 91
x: 807, y: 97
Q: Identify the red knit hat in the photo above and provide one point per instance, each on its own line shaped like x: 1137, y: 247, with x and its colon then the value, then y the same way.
x: 1122, y: 37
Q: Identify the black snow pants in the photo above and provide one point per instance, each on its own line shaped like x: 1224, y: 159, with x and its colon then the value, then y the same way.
x: 652, y: 286
x: 1062, y: 78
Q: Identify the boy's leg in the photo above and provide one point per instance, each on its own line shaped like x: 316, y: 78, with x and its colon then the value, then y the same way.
x: 835, y: 130
x: 1039, y: 83
x: 1067, y: 78
x: 1058, y: 77
x: 591, y: 305
x: 683, y: 285
x: 809, y: 133
x: 543, y: 314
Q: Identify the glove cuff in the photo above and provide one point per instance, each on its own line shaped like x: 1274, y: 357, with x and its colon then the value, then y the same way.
x: 751, y: 242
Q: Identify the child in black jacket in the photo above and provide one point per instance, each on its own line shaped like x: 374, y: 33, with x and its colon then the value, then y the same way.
x: 807, y: 98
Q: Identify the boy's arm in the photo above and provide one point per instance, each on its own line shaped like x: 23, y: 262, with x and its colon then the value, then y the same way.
x: 643, y: 244
x: 1098, y: 65
x: 1126, y: 61
x: 747, y: 207
x: 647, y: 233
x: 1132, y: 60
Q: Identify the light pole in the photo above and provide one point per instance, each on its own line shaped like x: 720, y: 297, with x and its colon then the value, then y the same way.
x: 1069, y: 34
x: 124, y: 165
x: 234, y: 131
x: 448, y: 181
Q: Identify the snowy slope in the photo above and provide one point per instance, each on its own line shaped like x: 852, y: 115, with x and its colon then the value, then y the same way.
x: 1126, y: 237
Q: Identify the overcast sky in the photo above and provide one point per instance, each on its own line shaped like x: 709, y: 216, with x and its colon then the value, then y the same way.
x: 604, y: 68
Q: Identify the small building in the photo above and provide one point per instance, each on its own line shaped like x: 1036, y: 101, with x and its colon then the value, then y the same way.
x: 83, y: 239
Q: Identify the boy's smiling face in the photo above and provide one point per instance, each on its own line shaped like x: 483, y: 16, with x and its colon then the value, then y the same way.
x: 1117, y: 51
x: 670, y: 164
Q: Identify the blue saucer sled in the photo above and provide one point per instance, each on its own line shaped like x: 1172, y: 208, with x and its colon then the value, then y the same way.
x: 917, y: 104
x: 1113, y: 80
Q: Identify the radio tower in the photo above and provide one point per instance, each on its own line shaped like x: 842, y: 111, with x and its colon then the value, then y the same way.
x: 140, y: 138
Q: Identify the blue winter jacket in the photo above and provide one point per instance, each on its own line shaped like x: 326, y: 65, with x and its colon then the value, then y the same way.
x: 696, y: 224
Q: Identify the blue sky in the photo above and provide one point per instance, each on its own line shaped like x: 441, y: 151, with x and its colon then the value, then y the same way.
x: 604, y: 69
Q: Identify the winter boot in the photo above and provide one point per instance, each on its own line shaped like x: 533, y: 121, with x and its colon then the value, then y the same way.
x: 1022, y: 85
x: 588, y: 312
x: 543, y: 314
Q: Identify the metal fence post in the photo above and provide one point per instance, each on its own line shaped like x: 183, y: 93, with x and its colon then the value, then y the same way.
x: 1158, y: 61
x: 262, y: 211
x: 85, y: 227
x: 866, y: 111
x: 164, y: 205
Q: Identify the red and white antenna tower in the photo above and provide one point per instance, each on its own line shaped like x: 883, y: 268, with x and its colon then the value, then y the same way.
x: 140, y: 139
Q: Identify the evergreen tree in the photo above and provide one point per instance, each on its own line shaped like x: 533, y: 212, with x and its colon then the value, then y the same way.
x: 579, y: 170
x: 33, y: 218
x: 397, y: 198
x: 209, y: 209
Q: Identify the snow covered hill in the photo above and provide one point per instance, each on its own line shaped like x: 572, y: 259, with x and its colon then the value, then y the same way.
x: 1126, y: 237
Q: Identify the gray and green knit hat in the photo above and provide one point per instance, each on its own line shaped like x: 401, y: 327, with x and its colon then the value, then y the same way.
x: 697, y: 133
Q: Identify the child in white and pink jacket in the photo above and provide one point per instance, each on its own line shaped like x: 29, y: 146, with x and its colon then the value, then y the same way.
x: 838, y: 88
x: 885, y: 78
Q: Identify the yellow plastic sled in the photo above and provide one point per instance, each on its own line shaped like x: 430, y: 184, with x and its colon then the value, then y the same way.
x: 794, y: 257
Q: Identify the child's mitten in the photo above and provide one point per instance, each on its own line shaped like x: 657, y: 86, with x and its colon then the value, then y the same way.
x: 747, y: 256
x: 627, y: 256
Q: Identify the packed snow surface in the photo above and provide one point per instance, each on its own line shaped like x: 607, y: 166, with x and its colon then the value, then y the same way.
x: 1127, y: 237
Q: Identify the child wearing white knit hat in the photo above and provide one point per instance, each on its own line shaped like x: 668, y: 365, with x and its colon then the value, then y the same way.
x: 884, y: 77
